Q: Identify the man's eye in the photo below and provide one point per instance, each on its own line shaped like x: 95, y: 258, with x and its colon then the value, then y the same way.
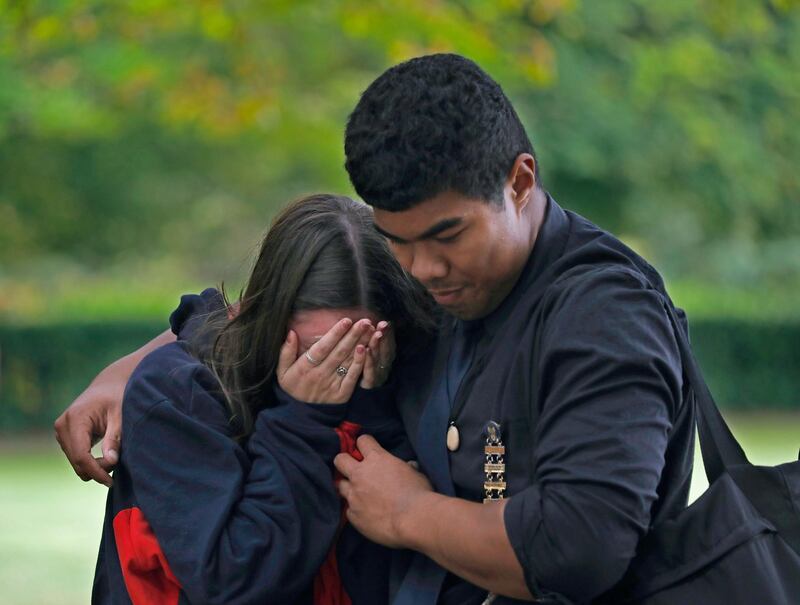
x: 448, y: 239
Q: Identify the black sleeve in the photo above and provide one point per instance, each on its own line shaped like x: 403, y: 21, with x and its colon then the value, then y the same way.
x: 611, y: 380
x: 236, y: 524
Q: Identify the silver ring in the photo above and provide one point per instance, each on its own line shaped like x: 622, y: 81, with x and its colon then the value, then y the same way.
x: 311, y: 360
x: 341, y: 371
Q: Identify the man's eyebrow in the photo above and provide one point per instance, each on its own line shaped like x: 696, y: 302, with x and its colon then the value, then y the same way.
x: 433, y: 231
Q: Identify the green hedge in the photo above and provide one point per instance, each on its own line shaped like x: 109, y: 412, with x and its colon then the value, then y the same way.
x: 43, y: 368
x: 749, y: 364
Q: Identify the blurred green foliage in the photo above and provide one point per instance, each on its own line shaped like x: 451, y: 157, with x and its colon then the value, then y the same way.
x: 145, y: 144
x: 168, y: 133
x: 47, y: 366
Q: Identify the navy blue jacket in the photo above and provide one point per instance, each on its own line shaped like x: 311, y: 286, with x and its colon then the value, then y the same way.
x: 195, y: 517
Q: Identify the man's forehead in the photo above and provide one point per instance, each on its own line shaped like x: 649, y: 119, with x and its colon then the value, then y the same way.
x: 409, y: 234
x: 426, y: 218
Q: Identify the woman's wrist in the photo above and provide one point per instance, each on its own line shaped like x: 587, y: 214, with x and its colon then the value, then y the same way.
x: 330, y: 414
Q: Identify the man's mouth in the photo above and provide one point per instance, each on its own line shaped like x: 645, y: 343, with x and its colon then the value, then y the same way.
x: 445, y: 296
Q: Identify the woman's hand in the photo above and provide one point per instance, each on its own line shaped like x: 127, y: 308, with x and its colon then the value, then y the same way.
x: 380, y: 356
x: 329, y: 371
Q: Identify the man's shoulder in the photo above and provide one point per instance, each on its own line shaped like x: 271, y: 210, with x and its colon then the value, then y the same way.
x: 595, y: 262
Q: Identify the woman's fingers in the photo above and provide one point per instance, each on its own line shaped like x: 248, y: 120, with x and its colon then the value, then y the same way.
x: 386, y: 349
x: 320, y: 350
x: 346, y: 345
x: 288, y: 354
x: 374, y: 340
x: 353, y: 372
x: 368, y: 374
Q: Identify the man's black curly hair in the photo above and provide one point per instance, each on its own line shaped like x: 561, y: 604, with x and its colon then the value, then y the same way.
x: 432, y: 124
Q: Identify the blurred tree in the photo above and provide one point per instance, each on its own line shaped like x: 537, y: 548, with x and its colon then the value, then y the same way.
x: 159, y: 129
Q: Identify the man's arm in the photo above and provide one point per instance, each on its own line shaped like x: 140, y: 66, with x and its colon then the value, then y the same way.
x: 392, y: 504
x: 96, y: 413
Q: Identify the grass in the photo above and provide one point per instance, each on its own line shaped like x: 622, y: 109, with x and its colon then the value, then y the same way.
x: 49, y: 527
x: 767, y: 438
x: 50, y: 522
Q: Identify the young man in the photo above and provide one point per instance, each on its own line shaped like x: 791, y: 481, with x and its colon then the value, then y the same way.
x: 550, y: 418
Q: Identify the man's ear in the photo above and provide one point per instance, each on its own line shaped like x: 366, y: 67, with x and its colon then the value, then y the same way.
x: 521, y: 181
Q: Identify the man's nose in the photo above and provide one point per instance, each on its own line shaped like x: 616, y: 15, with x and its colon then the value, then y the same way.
x: 427, y: 267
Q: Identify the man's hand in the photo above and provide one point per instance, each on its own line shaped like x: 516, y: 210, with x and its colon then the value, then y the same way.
x: 97, y: 412
x: 380, y: 491
x: 393, y: 504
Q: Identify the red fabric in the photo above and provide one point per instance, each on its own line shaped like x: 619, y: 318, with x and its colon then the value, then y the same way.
x: 328, y: 588
x: 147, y: 574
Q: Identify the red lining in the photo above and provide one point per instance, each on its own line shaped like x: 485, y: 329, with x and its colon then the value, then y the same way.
x: 147, y: 573
x: 328, y: 588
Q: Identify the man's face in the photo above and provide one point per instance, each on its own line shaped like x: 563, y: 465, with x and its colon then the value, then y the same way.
x: 468, y: 253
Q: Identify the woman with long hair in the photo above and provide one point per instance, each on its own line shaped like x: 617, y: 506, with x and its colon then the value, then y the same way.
x: 224, y: 492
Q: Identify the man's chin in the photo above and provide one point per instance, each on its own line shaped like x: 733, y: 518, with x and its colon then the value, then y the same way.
x: 464, y: 312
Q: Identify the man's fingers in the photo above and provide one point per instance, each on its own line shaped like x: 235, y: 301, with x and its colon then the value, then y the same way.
x: 111, y: 440
x: 344, y: 488
x: 345, y: 464
x: 367, y: 444
x: 106, y: 464
x: 88, y: 467
x: 288, y: 353
x: 75, y: 438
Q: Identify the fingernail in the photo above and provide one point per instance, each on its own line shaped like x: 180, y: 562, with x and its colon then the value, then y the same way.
x: 111, y: 456
x: 360, y: 349
x: 383, y: 325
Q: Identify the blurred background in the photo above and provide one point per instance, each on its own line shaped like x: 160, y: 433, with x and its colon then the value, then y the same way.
x: 145, y: 145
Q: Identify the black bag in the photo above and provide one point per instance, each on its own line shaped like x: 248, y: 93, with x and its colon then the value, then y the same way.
x: 738, y: 543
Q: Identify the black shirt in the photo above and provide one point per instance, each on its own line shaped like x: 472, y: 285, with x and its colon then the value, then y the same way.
x: 580, y: 367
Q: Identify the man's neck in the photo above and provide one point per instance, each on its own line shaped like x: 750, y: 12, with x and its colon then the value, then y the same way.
x: 535, y: 213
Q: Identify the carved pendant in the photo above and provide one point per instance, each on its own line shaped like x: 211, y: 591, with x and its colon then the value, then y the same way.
x: 453, y: 437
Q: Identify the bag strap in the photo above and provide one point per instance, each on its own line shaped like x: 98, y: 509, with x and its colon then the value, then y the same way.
x: 719, y: 447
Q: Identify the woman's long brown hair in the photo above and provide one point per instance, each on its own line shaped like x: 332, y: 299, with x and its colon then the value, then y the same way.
x: 321, y: 252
